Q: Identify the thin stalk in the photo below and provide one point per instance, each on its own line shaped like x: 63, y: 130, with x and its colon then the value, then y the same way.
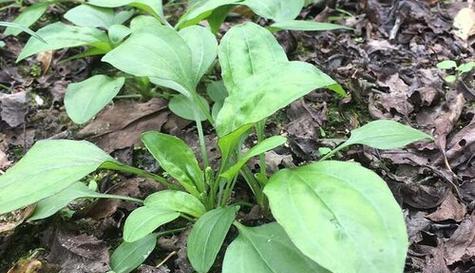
x: 260, y: 137
x: 333, y: 152
x: 171, y: 231
x: 119, y: 197
x: 201, y: 137
x: 253, y: 184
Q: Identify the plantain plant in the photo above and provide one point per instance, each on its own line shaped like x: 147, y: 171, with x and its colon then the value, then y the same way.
x: 317, y: 213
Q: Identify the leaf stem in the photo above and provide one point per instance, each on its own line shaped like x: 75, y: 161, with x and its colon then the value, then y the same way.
x: 333, y: 152
x: 260, y: 137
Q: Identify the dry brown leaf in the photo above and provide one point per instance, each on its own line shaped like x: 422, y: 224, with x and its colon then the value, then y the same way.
x: 450, y: 209
x: 464, y: 23
x: 461, y: 245
x: 27, y: 266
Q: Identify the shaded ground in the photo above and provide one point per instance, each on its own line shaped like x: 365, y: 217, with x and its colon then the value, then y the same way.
x: 388, y: 64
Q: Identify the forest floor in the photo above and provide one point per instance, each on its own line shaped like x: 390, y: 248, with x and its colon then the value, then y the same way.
x: 388, y: 66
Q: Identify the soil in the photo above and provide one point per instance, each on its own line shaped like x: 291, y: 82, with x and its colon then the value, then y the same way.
x: 387, y: 64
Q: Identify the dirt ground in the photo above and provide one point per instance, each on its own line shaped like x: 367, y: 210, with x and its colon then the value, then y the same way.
x: 388, y: 66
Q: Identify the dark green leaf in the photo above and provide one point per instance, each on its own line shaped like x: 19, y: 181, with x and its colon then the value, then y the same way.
x: 83, y: 100
x: 266, y: 249
x: 48, y: 168
x: 176, y: 158
x: 207, y: 237
x: 129, y: 256
x: 144, y: 220
x: 335, y: 209
x: 176, y: 201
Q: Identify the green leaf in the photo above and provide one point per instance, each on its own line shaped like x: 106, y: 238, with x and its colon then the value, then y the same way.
x: 450, y: 78
x: 447, y: 64
x: 50, y: 205
x: 247, y: 50
x: 129, y: 256
x: 27, y: 18
x: 177, y: 159
x: 159, y: 53
x: 200, y: 10
x: 144, y: 220
x: 176, y: 201
x: 83, y: 100
x: 385, y: 134
x: 204, y: 49
x: 277, y: 10
x: 91, y: 16
x: 2, y: 44
x: 22, y: 28
x: 335, y: 209
x: 266, y: 249
x: 207, y: 237
x: 228, y: 143
x: 217, y: 93
x: 466, y: 67
x: 117, y: 33
x: 153, y: 7
x: 301, y: 25
x: 263, y: 94
x: 218, y: 16
x: 49, y: 167
x: 59, y: 35
x: 185, y: 108
x: 264, y: 146
x: 144, y: 23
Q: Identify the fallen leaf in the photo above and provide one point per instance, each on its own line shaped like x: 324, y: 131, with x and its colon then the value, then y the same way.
x: 13, y: 108
x: 450, y: 209
x: 461, y: 245
x: 27, y: 266
x: 436, y: 263
x: 4, y: 162
x: 464, y: 23
x: 120, y: 125
x: 77, y: 253
x: 9, y: 221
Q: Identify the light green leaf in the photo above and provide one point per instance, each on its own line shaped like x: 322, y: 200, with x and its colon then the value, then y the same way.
x: 2, y: 44
x: 159, y: 53
x: 301, y: 25
x: 129, y: 256
x: 200, y: 10
x: 447, y: 64
x: 144, y: 220
x: 117, y: 33
x: 207, y: 237
x: 277, y: 10
x: 466, y: 67
x: 59, y: 35
x: 264, y: 146
x: 177, y: 159
x: 176, y: 201
x: 91, y: 16
x: 263, y: 94
x: 247, y: 50
x: 153, y: 7
x: 22, y: 28
x: 204, y: 49
x: 144, y: 23
x: 228, y: 143
x: 266, y: 249
x: 450, y: 78
x: 50, y: 205
x: 385, y: 134
x: 185, y: 108
x: 335, y: 209
x: 83, y: 100
x: 49, y: 167
x: 27, y: 18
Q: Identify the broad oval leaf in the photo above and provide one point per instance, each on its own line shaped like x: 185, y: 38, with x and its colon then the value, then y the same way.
x: 177, y: 159
x: 277, y: 10
x: 302, y: 25
x: 266, y: 145
x: 385, y: 134
x: 27, y: 18
x: 266, y: 249
x: 263, y: 94
x: 50, y: 205
x: 83, y: 100
x: 59, y: 35
x: 207, y: 237
x: 204, y: 49
x: 176, y: 201
x: 153, y: 7
x: 184, y: 107
x: 159, y: 53
x: 91, y: 16
x: 200, y: 10
x: 128, y: 256
x: 49, y: 167
x: 144, y: 220
x: 247, y: 50
x: 335, y: 209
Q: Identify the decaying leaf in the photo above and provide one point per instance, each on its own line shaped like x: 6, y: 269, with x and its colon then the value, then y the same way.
x: 450, y: 209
